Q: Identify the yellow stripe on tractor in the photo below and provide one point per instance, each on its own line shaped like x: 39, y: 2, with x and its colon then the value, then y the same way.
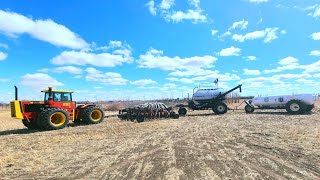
x: 16, y: 110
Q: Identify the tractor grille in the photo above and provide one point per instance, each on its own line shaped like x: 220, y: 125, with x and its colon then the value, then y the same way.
x: 13, y: 109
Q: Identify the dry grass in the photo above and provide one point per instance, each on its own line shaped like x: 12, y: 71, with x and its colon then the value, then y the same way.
x: 263, y: 145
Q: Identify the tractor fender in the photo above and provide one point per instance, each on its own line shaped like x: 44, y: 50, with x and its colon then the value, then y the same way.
x: 85, y: 106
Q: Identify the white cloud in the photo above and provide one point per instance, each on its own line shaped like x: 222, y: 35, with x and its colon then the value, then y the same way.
x: 269, y: 34
x: 43, y: 70
x: 166, y: 4
x: 143, y: 82
x: 317, y: 12
x: 155, y: 59
x: 151, y: 7
x: 232, y: 51
x: 5, y: 46
x: 193, y: 14
x: 3, y: 56
x: 257, y: 1
x: 240, y: 24
x: 251, y: 58
x: 315, y: 53
x: 109, y: 78
x: 251, y: 72
x: 181, y: 80
x: 13, y: 24
x: 316, y: 36
x: 214, y: 32
x: 4, y: 80
x: 198, y: 75
x: 288, y: 63
x: 120, y: 54
x: 291, y: 63
x: 68, y: 69
x: 39, y: 80
x: 288, y: 60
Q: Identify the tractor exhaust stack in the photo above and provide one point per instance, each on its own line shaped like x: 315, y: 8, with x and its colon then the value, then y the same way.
x: 16, y: 92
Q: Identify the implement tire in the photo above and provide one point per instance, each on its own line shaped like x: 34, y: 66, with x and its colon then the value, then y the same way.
x: 296, y: 107
x: 93, y: 115
x: 53, y: 119
x: 249, y: 109
x: 220, y: 108
x: 30, y: 125
x: 182, y: 111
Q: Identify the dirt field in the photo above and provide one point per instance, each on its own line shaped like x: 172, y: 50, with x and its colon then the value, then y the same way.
x: 264, y: 145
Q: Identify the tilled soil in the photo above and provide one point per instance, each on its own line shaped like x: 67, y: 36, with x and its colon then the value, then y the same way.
x: 263, y: 145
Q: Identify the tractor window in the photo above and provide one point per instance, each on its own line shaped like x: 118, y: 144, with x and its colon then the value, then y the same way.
x: 58, y: 96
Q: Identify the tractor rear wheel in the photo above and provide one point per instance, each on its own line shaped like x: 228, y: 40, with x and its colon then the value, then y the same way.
x: 182, y: 111
x: 93, y: 115
x: 53, y: 119
x: 30, y: 125
x: 296, y: 107
x: 220, y: 108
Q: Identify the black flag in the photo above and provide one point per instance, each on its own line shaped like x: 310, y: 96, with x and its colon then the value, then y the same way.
x: 216, y: 81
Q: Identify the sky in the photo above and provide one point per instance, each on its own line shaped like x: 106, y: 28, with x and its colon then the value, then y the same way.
x: 150, y: 49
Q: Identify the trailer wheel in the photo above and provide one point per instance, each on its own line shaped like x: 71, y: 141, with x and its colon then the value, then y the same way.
x: 140, y: 118
x: 296, y: 107
x: 220, y: 108
x: 93, y: 115
x: 249, y: 109
x: 182, y: 111
x: 53, y: 119
x: 30, y: 125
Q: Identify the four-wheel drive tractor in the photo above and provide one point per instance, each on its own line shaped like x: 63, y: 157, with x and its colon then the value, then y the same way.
x: 55, y: 111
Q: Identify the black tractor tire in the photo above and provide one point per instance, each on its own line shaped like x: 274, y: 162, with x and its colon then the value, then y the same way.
x: 296, y: 107
x: 182, y: 111
x: 53, y: 119
x: 140, y: 118
x: 174, y: 115
x: 220, y: 108
x: 249, y: 109
x: 92, y: 115
x: 30, y: 125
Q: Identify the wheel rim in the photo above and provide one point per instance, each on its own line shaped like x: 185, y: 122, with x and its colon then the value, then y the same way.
x: 96, y: 115
x: 58, y: 119
x: 294, y: 107
x: 249, y: 109
x: 221, y: 108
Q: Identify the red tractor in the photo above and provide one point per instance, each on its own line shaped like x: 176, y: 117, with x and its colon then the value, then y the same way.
x: 55, y: 111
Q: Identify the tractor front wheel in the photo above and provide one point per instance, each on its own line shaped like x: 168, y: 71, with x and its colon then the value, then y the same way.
x: 53, y: 119
x: 30, y: 125
x: 93, y: 115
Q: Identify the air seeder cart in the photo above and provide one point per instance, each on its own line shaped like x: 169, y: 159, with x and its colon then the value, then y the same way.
x: 204, y: 99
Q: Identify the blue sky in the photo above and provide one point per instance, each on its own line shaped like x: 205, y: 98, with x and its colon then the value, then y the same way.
x: 147, y: 49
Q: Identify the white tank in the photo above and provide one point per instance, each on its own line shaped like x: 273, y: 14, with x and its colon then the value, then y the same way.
x: 206, y: 94
x: 308, y: 99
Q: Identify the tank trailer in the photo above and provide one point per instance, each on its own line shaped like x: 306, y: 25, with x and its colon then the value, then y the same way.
x: 204, y: 99
x: 293, y: 104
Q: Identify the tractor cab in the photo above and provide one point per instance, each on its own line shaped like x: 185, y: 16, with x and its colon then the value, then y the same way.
x: 57, y: 95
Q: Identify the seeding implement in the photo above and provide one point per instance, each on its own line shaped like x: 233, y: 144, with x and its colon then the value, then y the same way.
x: 147, y: 111
x: 55, y: 111
x: 204, y: 99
